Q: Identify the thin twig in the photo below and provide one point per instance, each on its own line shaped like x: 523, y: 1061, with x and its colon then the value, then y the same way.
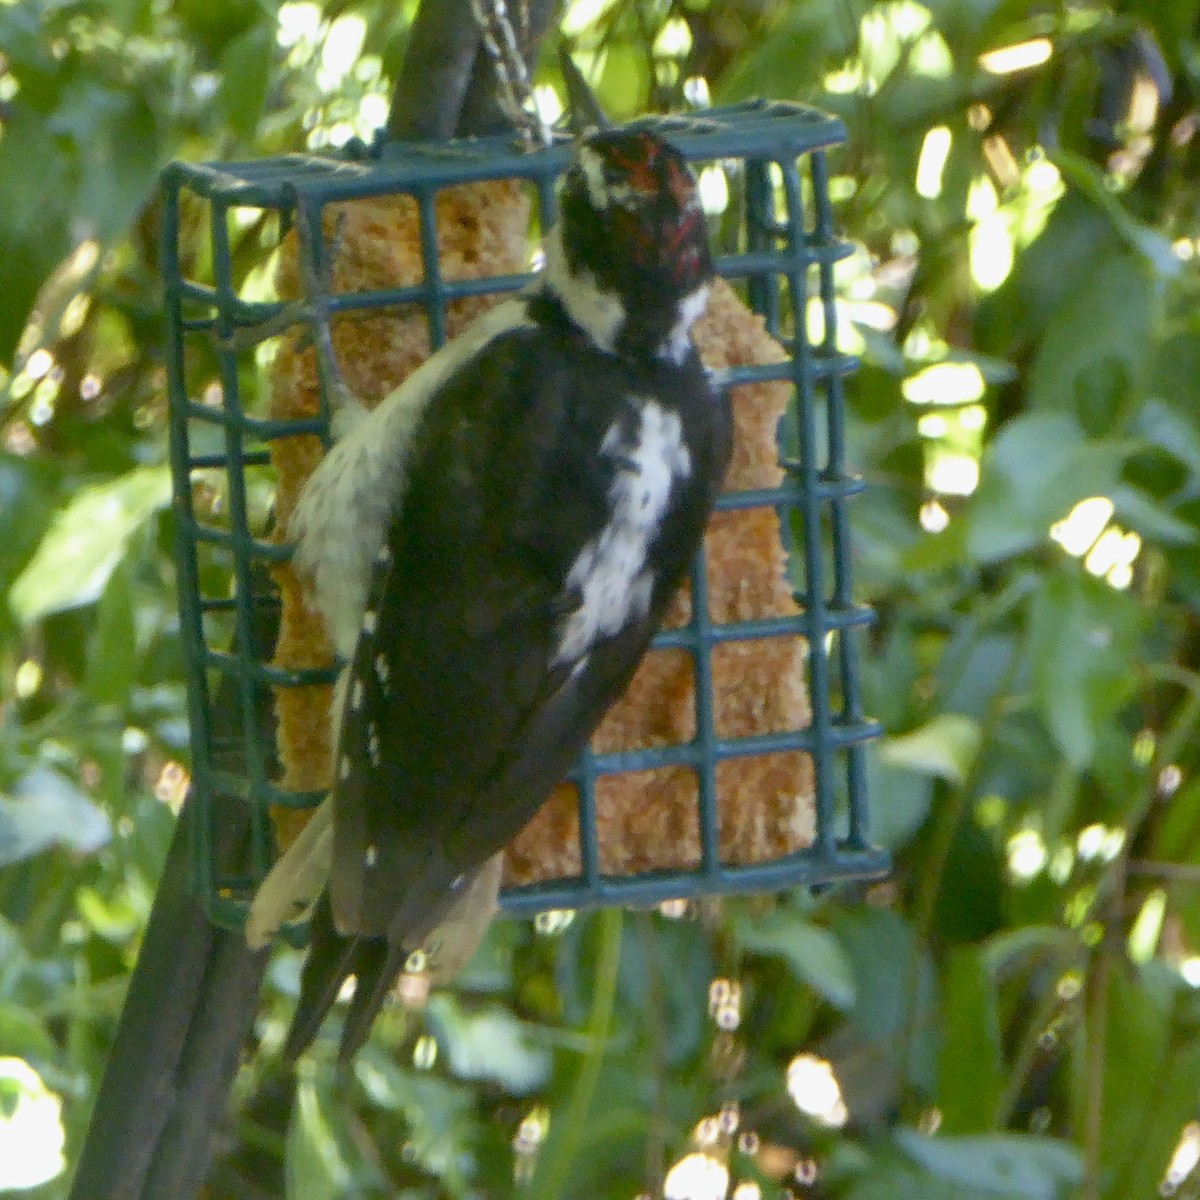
x: 1031, y: 1039
x: 554, y: 1169
x: 1188, y: 873
x: 659, y: 1118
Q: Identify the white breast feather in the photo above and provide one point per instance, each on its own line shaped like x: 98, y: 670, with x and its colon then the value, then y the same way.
x: 340, y: 523
x: 609, y: 572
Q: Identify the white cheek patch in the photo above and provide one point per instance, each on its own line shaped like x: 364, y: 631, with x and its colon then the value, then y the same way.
x: 610, y: 572
x: 593, y: 177
x: 599, y: 313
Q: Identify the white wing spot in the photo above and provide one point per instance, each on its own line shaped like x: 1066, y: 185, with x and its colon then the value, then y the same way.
x: 384, y: 556
x: 373, y: 744
x: 609, y: 571
x: 356, y: 695
x: 382, y: 670
x: 370, y: 621
x: 371, y: 856
x: 344, y: 768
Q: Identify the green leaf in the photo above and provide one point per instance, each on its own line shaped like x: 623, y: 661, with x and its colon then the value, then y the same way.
x: 970, y: 1078
x: 27, y: 497
x: 780, y: 65
x: 120, y: 150
x: 34, y: 221
x: 314, y: 1166
x: 901, y: 800
x: 435, y: 1112
x: 881, y: 947
x: 1149, y: 244
x: 1154, y: 521
x: 246, y: 67
x: 1172, y: 426
x: 889, y: 1180
x: 664, y: 966
x: 1100, y: 336
x: 85, y: 542
x: 1007, y: 951
x: 45, y: 810
x: 488, y: 1044
x: 1037, y: 469
x: 1045, y: 276
x: 1034, y: 1168
x: 112, y: 657
x: 1151, y: 1078
x: 813, y: 954
x: 944, y: 748
x: 1083, y: 642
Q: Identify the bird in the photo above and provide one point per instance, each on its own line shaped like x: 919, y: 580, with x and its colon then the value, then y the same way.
x: 492, y: 549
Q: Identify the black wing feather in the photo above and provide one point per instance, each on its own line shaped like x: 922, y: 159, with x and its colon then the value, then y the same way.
x: 459, y: 718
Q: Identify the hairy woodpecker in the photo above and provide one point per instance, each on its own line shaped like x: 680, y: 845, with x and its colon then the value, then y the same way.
x: 492, y: 549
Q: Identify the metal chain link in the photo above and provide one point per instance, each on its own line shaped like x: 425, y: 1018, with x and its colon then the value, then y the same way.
x: 515, y: 91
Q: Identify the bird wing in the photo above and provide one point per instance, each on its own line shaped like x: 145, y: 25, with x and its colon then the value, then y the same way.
x: 459, y: 716
x: 461, y: 709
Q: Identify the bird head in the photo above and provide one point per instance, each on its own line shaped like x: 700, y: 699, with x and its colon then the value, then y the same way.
x: 632, y: 244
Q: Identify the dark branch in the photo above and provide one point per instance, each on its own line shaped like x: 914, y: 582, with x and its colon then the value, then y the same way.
x: 437, y: 69
x: 481, y: 113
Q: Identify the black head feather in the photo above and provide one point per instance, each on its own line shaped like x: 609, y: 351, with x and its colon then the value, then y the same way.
x: 632, y: 220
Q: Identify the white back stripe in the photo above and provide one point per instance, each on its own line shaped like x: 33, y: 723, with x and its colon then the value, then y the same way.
x: 610, y: 571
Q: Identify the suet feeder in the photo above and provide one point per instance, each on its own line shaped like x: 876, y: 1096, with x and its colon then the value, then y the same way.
x: 733, y: 681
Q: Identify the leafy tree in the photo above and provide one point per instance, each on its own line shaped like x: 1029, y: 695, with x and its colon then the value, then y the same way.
x: 1013, y: 1015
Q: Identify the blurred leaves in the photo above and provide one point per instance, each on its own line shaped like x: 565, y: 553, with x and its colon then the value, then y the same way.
x: 86, y: 541
x: 813, y: 954
x: 1035, y: 470
x: 1083, y: 637
x: 315, y: 1169
x: 1038, y: 780
x: 1007, y: 1166
x: 45, y: 809
x: 944, y: 748
x: 488, y: 1044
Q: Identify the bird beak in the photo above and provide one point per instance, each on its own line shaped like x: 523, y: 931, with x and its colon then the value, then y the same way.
x: 583, y: 109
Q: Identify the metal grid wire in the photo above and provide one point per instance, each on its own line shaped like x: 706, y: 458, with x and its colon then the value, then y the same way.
x: 787, y: 252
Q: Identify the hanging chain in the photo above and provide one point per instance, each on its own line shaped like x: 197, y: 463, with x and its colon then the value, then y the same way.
x: 515, y: 90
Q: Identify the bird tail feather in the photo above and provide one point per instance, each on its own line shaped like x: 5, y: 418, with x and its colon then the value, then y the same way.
x: 332, y: 959
x: 293, y: 884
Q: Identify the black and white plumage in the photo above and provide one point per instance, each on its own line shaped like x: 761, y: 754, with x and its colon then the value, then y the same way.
x: 492, y: 549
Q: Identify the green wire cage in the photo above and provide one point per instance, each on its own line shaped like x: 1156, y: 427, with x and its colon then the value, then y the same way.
x: 785, y: 253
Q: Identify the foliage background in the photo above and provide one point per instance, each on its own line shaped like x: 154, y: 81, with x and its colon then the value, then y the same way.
x: 1016, y: 1013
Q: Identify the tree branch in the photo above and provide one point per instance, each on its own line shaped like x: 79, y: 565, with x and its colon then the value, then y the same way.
x: 481, y: 112
x: 438, y: 63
